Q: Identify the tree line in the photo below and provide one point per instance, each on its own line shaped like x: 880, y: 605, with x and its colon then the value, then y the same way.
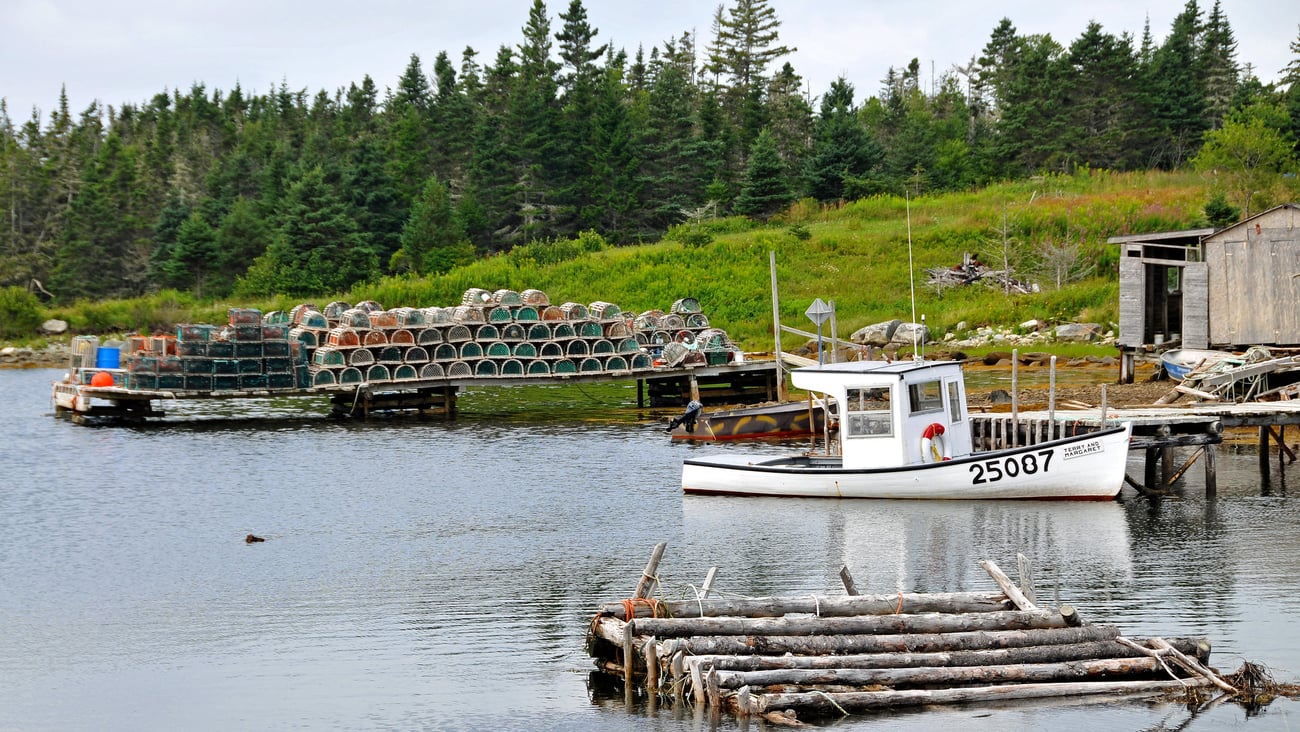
x: 562, y: 137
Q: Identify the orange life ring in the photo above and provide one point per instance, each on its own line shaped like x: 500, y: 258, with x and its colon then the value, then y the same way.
x: 934, y: 448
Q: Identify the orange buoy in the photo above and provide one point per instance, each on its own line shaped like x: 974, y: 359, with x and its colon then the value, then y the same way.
x: 102, y: 379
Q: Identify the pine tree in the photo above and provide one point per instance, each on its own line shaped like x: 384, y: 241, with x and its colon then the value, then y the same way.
x: 1178, y: 88
x: 1219, y: 68
x: 432, y: 239
x: 1103, y: 99
x: 242, y: 237
x: 842, y: 150
x: 193, y: 257
x: 765, y: 190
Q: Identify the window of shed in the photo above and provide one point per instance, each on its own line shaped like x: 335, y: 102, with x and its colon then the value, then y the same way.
x: 926, y: 396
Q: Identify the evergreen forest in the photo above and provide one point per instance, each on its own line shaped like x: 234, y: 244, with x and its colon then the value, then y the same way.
x: 559, y: 143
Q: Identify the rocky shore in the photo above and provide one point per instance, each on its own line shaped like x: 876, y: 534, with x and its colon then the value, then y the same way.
x: 52, y: 356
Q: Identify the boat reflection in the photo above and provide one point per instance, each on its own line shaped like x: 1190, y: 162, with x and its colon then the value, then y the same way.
x: 912, y: 546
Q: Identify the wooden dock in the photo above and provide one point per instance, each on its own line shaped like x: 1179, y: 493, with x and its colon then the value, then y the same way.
x: 1157, y: 430
x: 732, y: 383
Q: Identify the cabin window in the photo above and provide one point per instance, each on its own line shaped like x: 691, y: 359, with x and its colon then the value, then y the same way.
x: 954, y: 403
x: 867, y: 413
x: 925, y: 396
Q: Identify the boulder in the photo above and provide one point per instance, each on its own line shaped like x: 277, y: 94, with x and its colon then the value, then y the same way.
x: 1078, y: 331
x: 54, y: 326
x: 879, y: 334
x: 903, y: 334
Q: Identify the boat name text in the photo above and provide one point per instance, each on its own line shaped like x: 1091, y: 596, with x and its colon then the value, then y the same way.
x: 1087, y: 448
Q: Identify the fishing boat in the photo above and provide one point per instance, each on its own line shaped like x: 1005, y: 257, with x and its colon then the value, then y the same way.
x: 905, y: 433
x: 787, y: 419
x: 1180, y: 362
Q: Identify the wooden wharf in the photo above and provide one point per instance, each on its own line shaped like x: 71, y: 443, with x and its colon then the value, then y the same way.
x: 732, y: 383
x: 1157, y: 430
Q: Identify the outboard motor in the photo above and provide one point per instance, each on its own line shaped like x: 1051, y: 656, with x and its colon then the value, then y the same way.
x: 688, y: 418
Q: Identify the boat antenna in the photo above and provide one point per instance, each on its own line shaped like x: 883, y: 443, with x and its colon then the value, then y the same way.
x: 911, y: 276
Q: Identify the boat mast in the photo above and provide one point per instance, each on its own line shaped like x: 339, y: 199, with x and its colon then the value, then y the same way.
x: 911, y: 277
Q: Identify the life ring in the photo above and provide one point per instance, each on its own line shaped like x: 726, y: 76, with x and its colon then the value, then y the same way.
x: 934, y: 448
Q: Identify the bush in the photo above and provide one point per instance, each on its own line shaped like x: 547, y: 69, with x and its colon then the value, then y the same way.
x: 20, y: 313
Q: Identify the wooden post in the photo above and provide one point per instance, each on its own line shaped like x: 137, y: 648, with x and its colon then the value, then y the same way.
x: 1051, y: 400
x: 648, y: 575
x: 652, y: 667
x: 640, y: 393
x: 629, y: 653
x: 1166, y: 463
x: 1149, y: 475
x: 1026, y: 577
x: 782, y: 393
x: 1211, y: 474
x: 695, y: 387
x: 835, y: 341
x: 847, y: 579
x: 1263, y: 453
x: 1015, y: 398
x: 708, y: 582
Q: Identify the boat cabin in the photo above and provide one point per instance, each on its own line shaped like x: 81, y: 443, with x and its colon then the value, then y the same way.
x: 894, y: 413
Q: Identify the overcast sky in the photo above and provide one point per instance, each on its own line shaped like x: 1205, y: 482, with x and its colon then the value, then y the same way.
x: 129, y: 50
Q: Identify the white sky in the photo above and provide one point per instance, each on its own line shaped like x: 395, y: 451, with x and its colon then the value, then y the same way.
x: 130, y: 50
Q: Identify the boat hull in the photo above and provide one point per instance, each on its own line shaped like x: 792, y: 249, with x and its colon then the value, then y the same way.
x: 781, y: 420
x: 1181, y: 362
x: 1087, y: 467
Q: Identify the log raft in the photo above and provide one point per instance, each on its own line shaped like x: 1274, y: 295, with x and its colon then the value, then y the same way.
x: 834, y: 655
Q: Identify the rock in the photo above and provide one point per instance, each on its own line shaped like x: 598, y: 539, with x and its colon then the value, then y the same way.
x: 903, y: 334
x: 993, y: 358
x: 54, y: 326
x: 8, y: 352
x: 1032, y: 325
x: 1078, y: 331
x: 879, y: 334
x: 999, y: 396
x: 1035, y: 358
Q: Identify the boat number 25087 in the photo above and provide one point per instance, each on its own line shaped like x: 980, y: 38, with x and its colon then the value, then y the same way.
x: 990, y: 471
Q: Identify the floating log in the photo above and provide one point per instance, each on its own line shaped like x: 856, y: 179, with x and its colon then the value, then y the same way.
x: 838, y: 703
x: 936, y: 675
x: 826, y: 606
x: 1111, y: 648
x: 872, y: 624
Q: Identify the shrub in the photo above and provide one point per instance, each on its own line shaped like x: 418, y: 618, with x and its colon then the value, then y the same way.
x: 20, y: 313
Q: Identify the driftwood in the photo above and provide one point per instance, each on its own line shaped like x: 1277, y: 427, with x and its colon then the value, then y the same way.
x: 932, y: 675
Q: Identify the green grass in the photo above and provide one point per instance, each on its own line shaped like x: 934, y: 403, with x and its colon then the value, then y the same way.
x: 855, y: 254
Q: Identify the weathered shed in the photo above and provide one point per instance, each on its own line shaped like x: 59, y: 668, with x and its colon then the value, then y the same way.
x: 1235, y: 287
x: 1254, y: 280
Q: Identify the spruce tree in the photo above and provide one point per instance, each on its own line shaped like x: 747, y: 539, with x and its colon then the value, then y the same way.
x: 766, y: 189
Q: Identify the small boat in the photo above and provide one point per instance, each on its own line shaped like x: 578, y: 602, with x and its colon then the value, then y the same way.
x: 1180, y: 362
x: 788, y: 419
x: 905, y: 433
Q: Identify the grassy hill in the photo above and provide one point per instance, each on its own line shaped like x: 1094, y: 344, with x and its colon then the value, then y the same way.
x: 1051, y: 231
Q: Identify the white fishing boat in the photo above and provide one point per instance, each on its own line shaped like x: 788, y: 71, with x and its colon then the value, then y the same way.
x: 905, y: 433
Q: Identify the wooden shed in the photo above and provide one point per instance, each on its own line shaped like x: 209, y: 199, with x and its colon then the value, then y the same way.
x: 1235, y: 287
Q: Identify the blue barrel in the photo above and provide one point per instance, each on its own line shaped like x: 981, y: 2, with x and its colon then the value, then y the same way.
x: 108, y: 357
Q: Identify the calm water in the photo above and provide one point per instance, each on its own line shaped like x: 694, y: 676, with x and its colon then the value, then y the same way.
x: 429, y: 575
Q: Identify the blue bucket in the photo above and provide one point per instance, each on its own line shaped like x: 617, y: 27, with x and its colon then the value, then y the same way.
x: 108, y: 357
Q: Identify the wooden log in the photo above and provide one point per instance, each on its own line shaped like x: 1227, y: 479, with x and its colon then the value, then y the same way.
x: 648, y: 576
x: 1094, y: 668
x: 1004, y: 582
x: 707, y: 587
x: 1070, y: 616
x: 825, y: 606
x: 906, y: 643
x: 697, y: 683
x: 847, y: 578
x: 863, y: 700
x: 988, y: 657
x: 1025, y: 571
x: 870, y: 624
